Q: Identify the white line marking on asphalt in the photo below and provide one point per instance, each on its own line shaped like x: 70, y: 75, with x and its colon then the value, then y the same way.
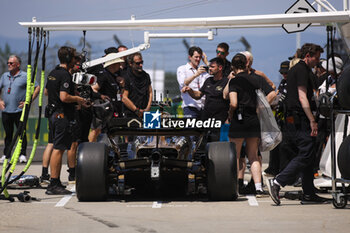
x: 66, y: 198
x: 157, y: 205
x: 252, y: 200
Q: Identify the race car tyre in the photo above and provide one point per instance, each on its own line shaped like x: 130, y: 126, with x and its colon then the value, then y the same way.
x: 91, y: 172
x: 222, y: 171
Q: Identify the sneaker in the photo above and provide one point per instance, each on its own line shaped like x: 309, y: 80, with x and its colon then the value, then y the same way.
x: 2, y: 159
x: 22, y: 159
x: 57, y: 190
x: 314, y: 199
x: 261, y: 193
x: 61, y: 185
x: 45, y: 179
x: 245, y: 190
x: 293, y: 195
x: 274, y: 190
x: 71, y: 179
x: 298, y: 182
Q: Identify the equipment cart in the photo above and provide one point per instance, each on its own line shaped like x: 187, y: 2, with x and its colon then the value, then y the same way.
x: 340, y: 197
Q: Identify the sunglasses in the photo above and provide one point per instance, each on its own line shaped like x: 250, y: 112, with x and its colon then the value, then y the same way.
x: 139, y: 63
x: 220, y: 52
x: 10, y: 63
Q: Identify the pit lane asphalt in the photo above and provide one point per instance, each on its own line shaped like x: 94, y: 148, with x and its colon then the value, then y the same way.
x: 163, y: 214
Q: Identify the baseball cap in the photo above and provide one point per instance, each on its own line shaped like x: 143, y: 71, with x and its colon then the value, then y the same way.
x: 111, y: 50
x: 284, y: 67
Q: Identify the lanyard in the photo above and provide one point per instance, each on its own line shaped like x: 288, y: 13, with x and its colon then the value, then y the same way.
x: 11, y: 81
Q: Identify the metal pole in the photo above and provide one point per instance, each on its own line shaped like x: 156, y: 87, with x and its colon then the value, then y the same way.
x: 326, y: 5
x: 196, y: 23
x: 346, y: 5
x: 333, y: 155
x: 298, y: 36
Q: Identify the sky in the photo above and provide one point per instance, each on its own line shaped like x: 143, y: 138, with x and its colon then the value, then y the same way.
x: 269, y: 46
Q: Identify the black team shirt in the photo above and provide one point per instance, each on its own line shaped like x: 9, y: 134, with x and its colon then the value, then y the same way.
x: 108, y: 84
x: 138, y: 87
x: 110, y: 87
x: 299, y: 75
x: 227, y: 68
x: 215, y: 106
x: 58, y: 80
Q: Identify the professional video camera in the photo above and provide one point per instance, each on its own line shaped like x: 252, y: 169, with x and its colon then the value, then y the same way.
x: 82, y: 78
x: 83, y: 82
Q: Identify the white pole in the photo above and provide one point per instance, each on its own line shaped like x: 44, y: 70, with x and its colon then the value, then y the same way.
x: 346, y: 5
x: 328, y: 8
x: 195, y: 23
x: 298, y: 37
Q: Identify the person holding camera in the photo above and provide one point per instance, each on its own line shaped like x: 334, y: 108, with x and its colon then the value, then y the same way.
x: 215, y: 106
x: 193, y: 76
x: 61, y: 111
x: 301, y: 127
x: 14, y: 83
x: 108, y: 87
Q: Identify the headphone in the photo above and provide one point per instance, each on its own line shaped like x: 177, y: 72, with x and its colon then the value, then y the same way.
x: 70, y: 54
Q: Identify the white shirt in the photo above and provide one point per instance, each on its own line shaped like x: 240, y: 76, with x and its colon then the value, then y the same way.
x: 322, y: 88
x: 184, y: 72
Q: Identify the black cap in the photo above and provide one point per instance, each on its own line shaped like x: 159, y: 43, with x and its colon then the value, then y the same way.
x: 284, y: 67
x: 111, y: 50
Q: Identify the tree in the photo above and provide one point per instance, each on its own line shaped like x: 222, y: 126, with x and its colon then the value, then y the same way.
x: 4, y: 55
x: 171, y: 84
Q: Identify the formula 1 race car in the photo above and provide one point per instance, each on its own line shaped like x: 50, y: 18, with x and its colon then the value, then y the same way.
x: 123, y: 167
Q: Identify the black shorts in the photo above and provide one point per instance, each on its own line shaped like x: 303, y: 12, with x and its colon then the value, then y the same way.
x: 62, y: 138
x: 248, y: 128
x: 51, y: 136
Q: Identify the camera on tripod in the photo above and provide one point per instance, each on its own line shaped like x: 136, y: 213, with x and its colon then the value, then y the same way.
x: 82, y: 78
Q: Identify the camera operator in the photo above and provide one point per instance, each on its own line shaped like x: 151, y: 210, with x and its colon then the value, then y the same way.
x: 108, y: 88
x: 301, y: 127
x: 61, y: 111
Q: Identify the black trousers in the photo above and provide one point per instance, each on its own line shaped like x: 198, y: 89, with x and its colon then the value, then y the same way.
x: 298, y: 136
x: 9, y: 121
x: 84, y: 120
x: 324, y: 130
